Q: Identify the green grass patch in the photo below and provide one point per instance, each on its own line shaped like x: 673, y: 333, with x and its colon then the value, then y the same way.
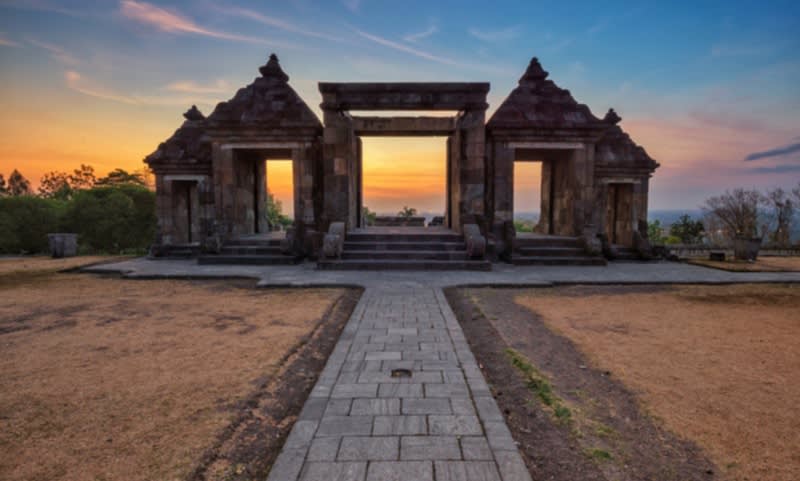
x: 539, y: 385
x: 599, y: 454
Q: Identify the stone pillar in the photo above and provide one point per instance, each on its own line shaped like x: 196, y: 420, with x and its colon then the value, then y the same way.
x: 502, y: 182
x: 163, y: 211
x: 472, y: 167
x: 453, y: 215
x: 224, y: 189
x: 338, y: 166
x: 303, y: 165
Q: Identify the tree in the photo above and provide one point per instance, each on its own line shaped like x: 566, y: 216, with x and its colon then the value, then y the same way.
x: 687, y: 230
x: 737, y: 211
x: 55, y: 185
x: 82, y: 177
x: 407, y: 212
x: 18, y: 184
x: 367, y: 216
x: 275, y: 215
x: 121, y: 177
x: 781, y: 212
x: 3, y: 187
x: 655, y: 232
x: 25, y: 222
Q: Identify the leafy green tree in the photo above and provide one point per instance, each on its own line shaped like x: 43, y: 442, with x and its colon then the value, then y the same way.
x: 112, y: 219
x: 407, y: 212
x: 368, y: 216
x: 655, y: 232
x: 25, y: 222
x: 523, y: 226
x: 275, y: 215
x: 688, y: 231
x: 121, y: 177
x: 82, y: 177
x: 18, y: 184
x: 55, y: 185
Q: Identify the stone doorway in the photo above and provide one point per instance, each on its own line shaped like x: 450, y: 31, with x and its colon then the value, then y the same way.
x: 619, y: 214
x: 421, y: 185
x: 185, y: 212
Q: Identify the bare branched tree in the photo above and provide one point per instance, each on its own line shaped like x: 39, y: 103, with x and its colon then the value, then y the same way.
x: 737, y: 211
x: 781, y: 211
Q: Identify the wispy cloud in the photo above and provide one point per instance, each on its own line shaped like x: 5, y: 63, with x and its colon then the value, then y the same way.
x: 86, y: 86
x: 188, y: 86
x: 5, y: 42
x: 734, y: 50
x: 58, y: 53
x: 405, y: 48
x: 41, y: 6
x: 174, y: 22
x: 502, y: 35
x: 78, y: 83
x: 352, y: 5
x: 415, y: 37
x: 776, y: 152
x: 277, y: 23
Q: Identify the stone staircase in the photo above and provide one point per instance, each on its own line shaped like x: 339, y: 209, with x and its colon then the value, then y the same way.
x: 552, y: 250
x: 623, y: 253
x: 250, y: 251
x: 414, y: 249
x: 179, y: 251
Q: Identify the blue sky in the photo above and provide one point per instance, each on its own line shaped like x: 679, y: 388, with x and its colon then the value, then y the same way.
x: 701, y: 85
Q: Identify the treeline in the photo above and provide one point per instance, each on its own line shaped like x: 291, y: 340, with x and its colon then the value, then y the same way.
x: 771, y: 216
x: 111, y: 215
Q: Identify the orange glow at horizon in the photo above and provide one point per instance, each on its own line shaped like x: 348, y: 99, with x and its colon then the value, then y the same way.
x: 527, y: 186
x: 404, y: 171
x: 281, y: 184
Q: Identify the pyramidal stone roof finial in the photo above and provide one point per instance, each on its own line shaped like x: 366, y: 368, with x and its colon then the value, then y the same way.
x: 194, y: 114
x: 273, y: 69
x: 535, y: 72
x: 612, y: 117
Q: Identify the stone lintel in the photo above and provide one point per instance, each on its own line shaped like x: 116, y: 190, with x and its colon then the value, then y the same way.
x: 401, y: 126
x: 185, y: 177
x: 264, y: 145
x: 404, y: 96
x: 546, y: 145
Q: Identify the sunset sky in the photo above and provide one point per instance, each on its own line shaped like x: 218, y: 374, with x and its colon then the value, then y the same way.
x: 710, y: 89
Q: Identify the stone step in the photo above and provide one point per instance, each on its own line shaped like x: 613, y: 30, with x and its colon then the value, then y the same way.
x: 251, y: 250
x: 405, y: 246
x: 404, y: 265
x: 247, y: 260
x: 405, y: 255
x: 557, y: 261
x: 547, y: 241
x: 254, y: 242
x: 416, y: 237
x: 557, y: 251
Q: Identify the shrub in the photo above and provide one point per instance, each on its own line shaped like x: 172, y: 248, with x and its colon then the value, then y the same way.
x: 112, y: 219
x: 25, y: 222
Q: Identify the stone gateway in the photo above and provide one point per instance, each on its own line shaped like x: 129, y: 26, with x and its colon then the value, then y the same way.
x: 211, y: 176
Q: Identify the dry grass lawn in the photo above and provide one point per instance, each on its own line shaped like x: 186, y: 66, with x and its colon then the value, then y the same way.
x: 762, y: 264
x: 110, y: 379
x: 719, y: 365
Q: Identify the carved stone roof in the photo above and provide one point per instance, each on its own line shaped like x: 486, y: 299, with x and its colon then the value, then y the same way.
x: 538, y: 103
x: 616, y: 149
x: 186, y: 146
x: 268, y: 102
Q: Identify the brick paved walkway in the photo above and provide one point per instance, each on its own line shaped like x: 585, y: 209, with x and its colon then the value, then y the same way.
x: 361, y: 423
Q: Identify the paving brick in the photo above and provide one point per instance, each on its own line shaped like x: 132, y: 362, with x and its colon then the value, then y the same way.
x: 446, y: 390
x: 400, y: 471
x: 511, y: 466
x: 499, y: 436
x: 463, y: 406
x: 369, y: 448
x: 382, y: 356
x: 326, y: 471
x: 375, y: 407
x: 301, y: 435
x: 338, y: 407
x: 467, y: 471
x: 475, y: 448
x: 324, y: 449
x: 419, y: 448
x: 354, y: 390
x: 288, y: 465
x: 400, y: 390
x: 345, y: 426
x: 455, y: 425
x: 399, y: 425
x: 426, y: 406
x: 487, y: 409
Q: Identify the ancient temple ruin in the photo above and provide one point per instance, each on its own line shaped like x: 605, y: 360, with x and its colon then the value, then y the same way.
x: 211, y: 177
